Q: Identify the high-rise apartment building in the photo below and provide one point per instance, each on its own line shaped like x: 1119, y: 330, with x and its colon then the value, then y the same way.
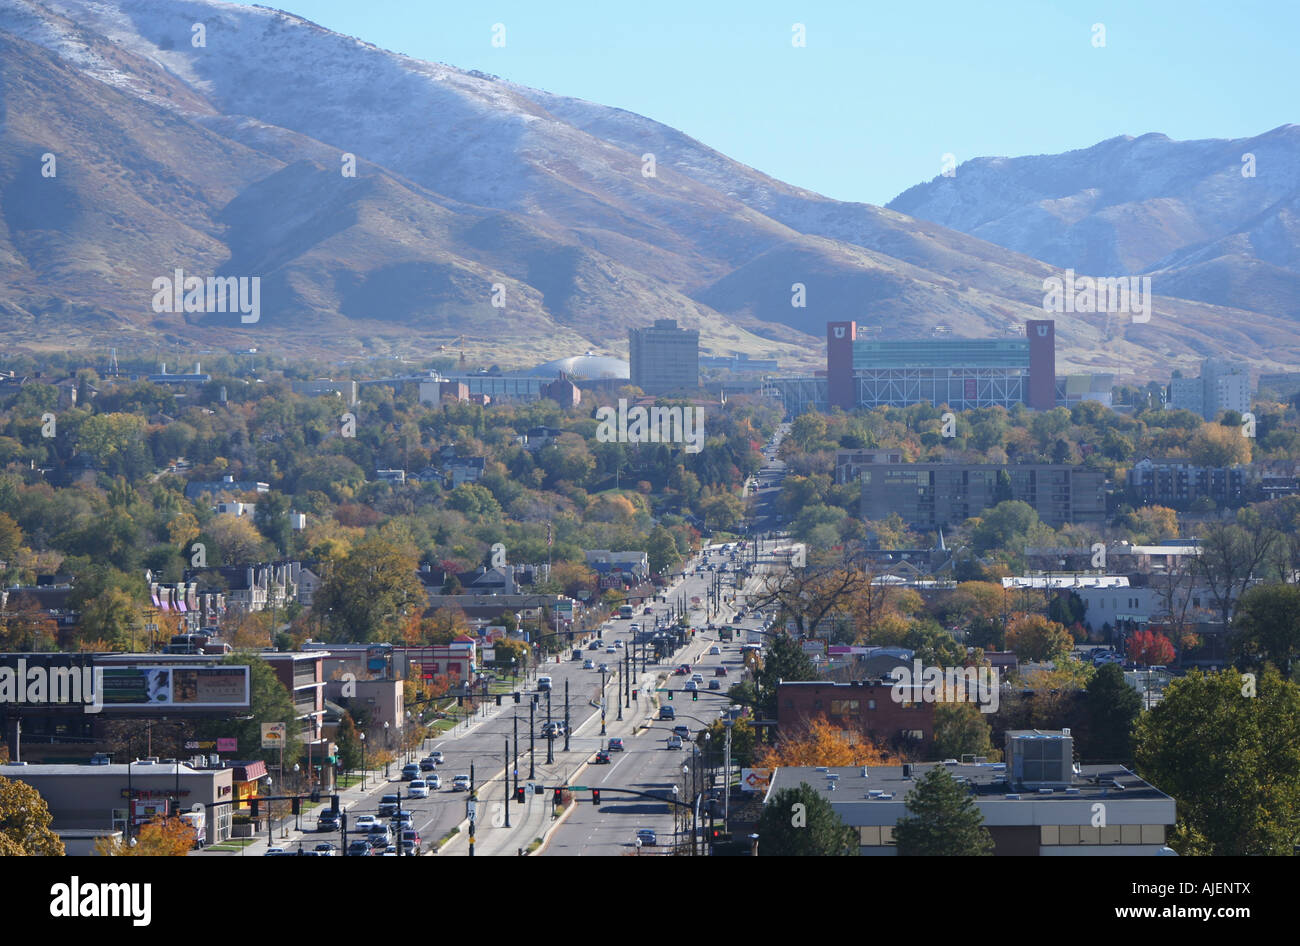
x: 664, y: 357
x: 1223, y: 386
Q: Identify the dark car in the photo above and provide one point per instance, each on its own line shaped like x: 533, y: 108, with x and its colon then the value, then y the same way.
x: 327, y: 820
x: 602, y: 758
x: 360, y: 848
x: 427, y: 765
x: 616, y: 745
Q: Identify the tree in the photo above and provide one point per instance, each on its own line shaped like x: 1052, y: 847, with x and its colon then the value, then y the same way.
x: 164, y: 837
x: 349, y: 743
x: 820, y: 743
x: 1112, y: 708
x: 1230, y: 555
x: 662, y: 551
x: 368, y: 591
x: 237, y: 539
x: 1034, y: 637
x: 744, y: 741
x: 1223, y: 746
x: 1150, y: 649
x: 944, y: 820
x: 784, y: 660
x: 1266, y: 627
x: 1006, y: 526
x: 25, y: 822
x: 799, y: 822
x: 961, y: 729
x: 113, y: 617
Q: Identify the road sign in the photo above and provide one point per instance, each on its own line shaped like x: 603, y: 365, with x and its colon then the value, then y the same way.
x: 471, y: 808
x: 755, y: 780
x: 576, y: 788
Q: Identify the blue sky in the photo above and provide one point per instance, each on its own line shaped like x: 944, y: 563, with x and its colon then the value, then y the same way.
x: 881, y: 91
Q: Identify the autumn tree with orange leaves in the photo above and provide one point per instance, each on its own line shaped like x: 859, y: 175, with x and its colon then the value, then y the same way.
x: 164, y: 837
x: 820, y: 743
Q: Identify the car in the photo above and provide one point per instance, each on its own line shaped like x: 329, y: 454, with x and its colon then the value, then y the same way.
x: 604, y: 668
x: 275, y: 852
x: 543, y: 683
x: 588, y: 664
x: 715, y: 650
x: 682, y: 670
x: 388, y: 806
x: 410, y: 848
x: 577, y: 654
x: 364, y: 822
x: 427, y: 765
x: 434, y: 782
x: 602, y: 758
x: 619, y: 644
x: 405, y: 818
x: 715, y: 684
x: 360, y: 848
x: 697, y: 677
x: 436, y: 756
x: 646, y: 838
x: 615, y: 745
x: 460, y: 783
x: 419, y: 788
x: 691, y: 686
x: 667, y: 712
x: 648, y: 610
x: 410, y: 771
x: 594, y: 645
x: 681, y: 729
x: 674, y: 741
x: 634, y: 628
x: 327, y: 820
x: 611, y: 649
x: 326, y: 849
x: 719, y: 671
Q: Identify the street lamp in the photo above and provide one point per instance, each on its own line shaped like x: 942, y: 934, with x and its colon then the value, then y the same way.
x: 364, y: 773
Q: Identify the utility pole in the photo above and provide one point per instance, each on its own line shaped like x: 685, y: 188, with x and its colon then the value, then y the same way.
x: 532, y: 744
x: 550, y: 732
x: 516, y: 765
x: 602, y: 702
x: 473, y: 809
x: 618, y: 693
x: 507, y: 780
x: 566, y: 715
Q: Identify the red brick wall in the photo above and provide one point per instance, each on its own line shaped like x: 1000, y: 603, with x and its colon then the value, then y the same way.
x: 799, y: 703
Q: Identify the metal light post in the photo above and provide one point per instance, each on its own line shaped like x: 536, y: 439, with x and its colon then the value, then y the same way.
x: 507, y: 783
x: 550, y: 732
x: 618, y: 694
x: 566, y: 715
x: 364, y: 773
x: 532, y: 744
x: 602, y: 702
x: 516, y: 759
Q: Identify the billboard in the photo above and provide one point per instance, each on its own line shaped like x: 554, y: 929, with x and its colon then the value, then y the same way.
x: 207, y: 687
x: 755, y: 780
x: 274, y: 735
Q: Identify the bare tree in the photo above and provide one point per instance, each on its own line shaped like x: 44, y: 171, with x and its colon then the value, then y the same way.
x: 1230, y: 555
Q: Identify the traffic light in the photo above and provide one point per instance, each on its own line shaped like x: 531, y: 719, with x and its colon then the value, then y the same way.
x: 595, y: 796
x: 519, y: 794
x: 334, y: 804
x: 670, y: 694
x: 295, y: 804
x: 315, y: 795
x: 634, y: 694
x: 516, y: 694
x: 695, y: 695
x: 253, y: 807
x: 557, y: 799
x: 498, y: 699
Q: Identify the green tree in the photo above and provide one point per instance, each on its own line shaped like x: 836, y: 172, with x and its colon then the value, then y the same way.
x: 961, y: 729
x: 349, y: 743
x: 744, y: 740
x: 943, y: 819
x: 661, y: 549
x: 1266, y: 627
x: 1224, y: 747
x: 269, y: 702
x: 783, y: 661
x: 1007, y: 525
x: 25, y: 822
x: 369, y: 590
x: 798, y: 822
x: 1113, y: 708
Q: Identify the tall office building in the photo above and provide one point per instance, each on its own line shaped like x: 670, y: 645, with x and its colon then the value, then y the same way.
x: 1223, y: 386
x: 664, y: 357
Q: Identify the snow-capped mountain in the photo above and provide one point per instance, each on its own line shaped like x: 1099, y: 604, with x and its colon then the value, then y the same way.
x: 218, y: 138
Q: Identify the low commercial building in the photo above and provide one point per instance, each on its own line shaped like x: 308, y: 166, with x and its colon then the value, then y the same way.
x: 1036, y: 804
x: 106, y: 797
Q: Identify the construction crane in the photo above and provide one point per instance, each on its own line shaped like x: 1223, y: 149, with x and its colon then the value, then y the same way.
x: 455, y: 346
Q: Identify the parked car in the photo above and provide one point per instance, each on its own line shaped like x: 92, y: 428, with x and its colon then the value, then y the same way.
x: 419, y: 788
x: 460, y: 783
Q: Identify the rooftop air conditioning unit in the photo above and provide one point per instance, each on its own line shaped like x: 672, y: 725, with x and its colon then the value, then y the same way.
x: 1039, y: 760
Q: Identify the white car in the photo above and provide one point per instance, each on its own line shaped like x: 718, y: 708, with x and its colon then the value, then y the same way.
x: 364, y: 822
x: 460, y: 783
x: 433, y: 782
x: 691, y: 685
x: 419, y: 788
x: 715, y: 650
x: 697, y: 678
